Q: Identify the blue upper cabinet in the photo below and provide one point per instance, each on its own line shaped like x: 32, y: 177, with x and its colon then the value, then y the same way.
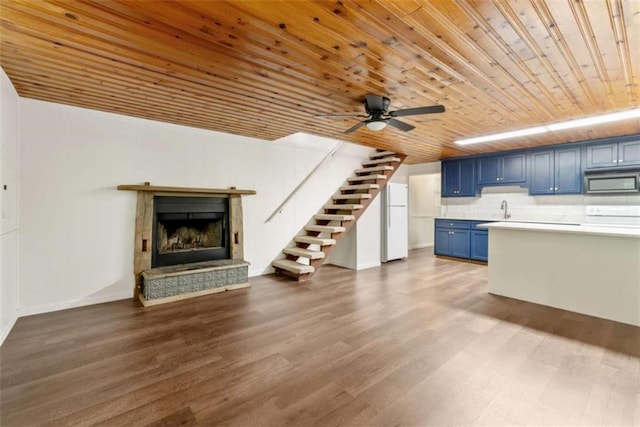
x: 629, y: 153
x: 602, y: 156
x: 568, y: 170
x: 542, y: 180
x: 556, y: 171
x: 458, y: 178
x: 613, y: 154
x: 502, y: 169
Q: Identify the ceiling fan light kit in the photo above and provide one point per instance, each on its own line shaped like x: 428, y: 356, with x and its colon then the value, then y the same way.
x: 376, y: 125
x: 569, y: 124
x: 378, y: 115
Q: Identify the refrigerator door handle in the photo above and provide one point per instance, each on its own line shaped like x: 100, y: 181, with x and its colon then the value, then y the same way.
x: 388, y: 217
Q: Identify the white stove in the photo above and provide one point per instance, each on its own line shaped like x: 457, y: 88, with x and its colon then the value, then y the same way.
x: 613, y: 216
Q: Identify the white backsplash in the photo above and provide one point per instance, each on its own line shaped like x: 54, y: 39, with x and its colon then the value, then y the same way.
x: 523, y: 207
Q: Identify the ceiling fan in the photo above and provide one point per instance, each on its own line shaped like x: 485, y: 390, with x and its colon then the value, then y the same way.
x: 378, y: 116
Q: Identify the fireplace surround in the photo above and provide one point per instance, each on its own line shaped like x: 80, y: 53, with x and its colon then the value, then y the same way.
x: 188, y: 237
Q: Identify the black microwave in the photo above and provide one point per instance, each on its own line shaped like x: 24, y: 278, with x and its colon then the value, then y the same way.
x: 611, y: 182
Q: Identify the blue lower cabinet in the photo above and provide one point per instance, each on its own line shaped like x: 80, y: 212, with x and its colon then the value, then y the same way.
x: 460, y: 244
x: 479, y: 245
x: 442, y: 243
x: 461, y: 239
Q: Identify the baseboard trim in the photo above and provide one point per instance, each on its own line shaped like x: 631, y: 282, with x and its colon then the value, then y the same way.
x: 98, y: 299
x: 256, y: 272
x: 368, y: 265
x: 7, y: 330
x: 422, y: 246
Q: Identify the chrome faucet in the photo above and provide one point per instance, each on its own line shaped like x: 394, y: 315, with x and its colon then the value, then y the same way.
x: 505, y: 206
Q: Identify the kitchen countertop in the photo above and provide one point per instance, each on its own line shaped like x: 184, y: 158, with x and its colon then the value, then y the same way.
x: 528, y: 221
x: 565, y: 228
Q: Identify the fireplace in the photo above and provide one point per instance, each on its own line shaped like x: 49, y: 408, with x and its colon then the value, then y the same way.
x: 189, y: 229
x: 188, y: 242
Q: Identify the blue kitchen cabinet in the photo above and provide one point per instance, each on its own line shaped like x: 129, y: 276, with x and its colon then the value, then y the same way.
x: 458, y: 178
x: 479, y: 249
x: 479, y: 242
x: 502, y: 169
x: 452, y: 238
x: 442, y: 244
x: 460, y: 243
x: 602, y: 156
x: 613, y: 154
x: 556, y: 171
x: 542, y: 180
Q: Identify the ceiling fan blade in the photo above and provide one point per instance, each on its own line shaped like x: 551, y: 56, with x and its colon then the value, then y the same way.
x: 355, y: 128
x: 415, y: 111
x: 400, y: 125
x: 341, y: 115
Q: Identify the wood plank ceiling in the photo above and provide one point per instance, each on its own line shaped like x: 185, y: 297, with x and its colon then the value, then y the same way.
x: 265, y: 68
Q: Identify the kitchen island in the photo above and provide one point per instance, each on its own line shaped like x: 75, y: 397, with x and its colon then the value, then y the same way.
x: 593, y: 270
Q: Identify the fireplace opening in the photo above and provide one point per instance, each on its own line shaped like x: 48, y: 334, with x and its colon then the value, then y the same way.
x: 190, y: 229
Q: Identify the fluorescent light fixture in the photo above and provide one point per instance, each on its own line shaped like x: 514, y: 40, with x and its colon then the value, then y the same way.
x: 376, y: 126
x: 569, y: 124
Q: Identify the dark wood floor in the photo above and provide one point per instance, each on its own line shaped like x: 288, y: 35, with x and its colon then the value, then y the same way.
x: 416, y: 342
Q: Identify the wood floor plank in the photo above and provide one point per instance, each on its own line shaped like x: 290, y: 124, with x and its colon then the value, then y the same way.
x: 414, y: 342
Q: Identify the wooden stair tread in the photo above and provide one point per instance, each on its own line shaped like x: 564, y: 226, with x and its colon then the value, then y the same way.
x: 352, y: 196
x: 346, y: 207
x: 381, y: 160
x: 379, y: 154
x: 365, y: 178
x: 359, y: 187
x: 375, y: 169
x: 293, y: 266
x: 334, y: 217
x: 314, y: 240
x: 304, y: 253
x: 325, y: 228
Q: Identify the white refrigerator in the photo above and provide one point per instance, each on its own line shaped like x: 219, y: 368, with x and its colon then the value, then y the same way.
x: 395, y: 222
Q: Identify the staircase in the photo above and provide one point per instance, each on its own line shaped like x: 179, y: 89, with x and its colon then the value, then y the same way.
x: 339, y: 215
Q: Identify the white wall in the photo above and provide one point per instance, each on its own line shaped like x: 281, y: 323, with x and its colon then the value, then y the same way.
x: 424, y: 207
x: 360, y: 248
x: 561, y: 208
x: 77, y: 230
x: 9, y: 166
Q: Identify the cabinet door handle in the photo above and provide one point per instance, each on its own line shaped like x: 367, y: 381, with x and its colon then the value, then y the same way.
x: 615, y: 161
x: 551, y: 189
x: 556, y: 189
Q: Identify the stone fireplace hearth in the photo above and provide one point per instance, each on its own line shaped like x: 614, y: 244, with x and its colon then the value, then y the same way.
x: 188, y: 242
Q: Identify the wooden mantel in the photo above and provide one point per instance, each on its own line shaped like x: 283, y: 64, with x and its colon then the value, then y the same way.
x: 183, y: 190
